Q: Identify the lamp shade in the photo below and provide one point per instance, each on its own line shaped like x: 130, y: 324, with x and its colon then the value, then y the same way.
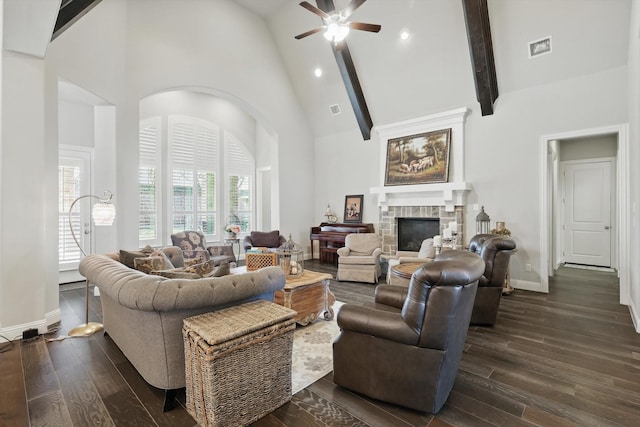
x: 103, y: 213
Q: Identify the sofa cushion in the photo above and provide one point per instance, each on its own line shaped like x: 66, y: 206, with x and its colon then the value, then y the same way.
x: 270, y: 239
x: 148, y: 264
x: 201, y: 269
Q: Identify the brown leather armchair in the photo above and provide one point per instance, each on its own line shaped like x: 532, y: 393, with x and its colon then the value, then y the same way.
x: 496, y: 252
x: 405, y: 348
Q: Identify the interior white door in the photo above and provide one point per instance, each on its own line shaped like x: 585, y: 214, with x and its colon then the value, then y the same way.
x: 588, y: 213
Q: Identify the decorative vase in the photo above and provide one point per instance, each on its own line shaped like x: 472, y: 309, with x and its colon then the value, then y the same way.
x: 231, y: 235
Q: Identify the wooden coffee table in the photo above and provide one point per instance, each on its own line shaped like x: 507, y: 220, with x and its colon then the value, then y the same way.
x: 309, y: 295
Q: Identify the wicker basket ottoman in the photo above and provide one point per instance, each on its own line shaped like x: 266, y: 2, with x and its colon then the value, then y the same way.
x: 238, y: 363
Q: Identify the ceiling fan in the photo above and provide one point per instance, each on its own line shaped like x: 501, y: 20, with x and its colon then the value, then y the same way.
x: 336, y: 27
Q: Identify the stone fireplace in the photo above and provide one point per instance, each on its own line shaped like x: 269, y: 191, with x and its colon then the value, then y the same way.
x: 412, y: 231
x: 389, y: 222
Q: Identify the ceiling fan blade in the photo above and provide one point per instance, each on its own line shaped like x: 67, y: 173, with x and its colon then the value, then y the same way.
x: 351, y: 7
x: 308, y: 33
x: 374, y: 28
x: 322, y: 14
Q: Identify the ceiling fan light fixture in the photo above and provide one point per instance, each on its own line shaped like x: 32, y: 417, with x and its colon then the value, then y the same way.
x: 336, y: 31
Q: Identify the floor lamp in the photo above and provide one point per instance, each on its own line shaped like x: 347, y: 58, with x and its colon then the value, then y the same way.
x: 103, y: 213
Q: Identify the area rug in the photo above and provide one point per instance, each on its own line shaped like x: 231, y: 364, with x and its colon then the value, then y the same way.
x: 312, y: 356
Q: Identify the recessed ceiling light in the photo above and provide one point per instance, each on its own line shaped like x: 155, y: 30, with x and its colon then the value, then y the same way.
x: 404, y: 34
x: 318, y: 72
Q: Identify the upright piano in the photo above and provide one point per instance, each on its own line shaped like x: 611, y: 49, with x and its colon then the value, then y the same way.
x: 331, y: 238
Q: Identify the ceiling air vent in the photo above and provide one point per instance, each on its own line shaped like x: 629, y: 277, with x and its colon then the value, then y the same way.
x: 540, y: 47
x: 335, y: 109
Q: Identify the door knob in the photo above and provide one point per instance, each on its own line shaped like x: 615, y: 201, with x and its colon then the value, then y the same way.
x: 606, y: 227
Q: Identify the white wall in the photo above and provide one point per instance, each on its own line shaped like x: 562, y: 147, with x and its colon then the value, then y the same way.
x: 501, y: 154
x: 23, y: 242
x: 123, y: 51
x: 206, y: 107
x: 170, y: 46
x: 1, y: 157
x: 76, y: 124
x: 634, y: 146
x: 503, y: 150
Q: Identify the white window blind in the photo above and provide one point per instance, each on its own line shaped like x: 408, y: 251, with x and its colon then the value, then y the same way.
x: 194, y: 163
x: 240, y: 168
x: 68, y: 191
x: 148, y: 181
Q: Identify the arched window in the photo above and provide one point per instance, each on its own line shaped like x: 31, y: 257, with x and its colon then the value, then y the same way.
x: 196, y: 197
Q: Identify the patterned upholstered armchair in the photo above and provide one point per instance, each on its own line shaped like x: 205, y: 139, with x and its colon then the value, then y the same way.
x: 194, y: 246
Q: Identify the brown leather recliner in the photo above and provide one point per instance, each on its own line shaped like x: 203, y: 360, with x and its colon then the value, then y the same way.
x: 495, y: 251
x: 405, y: 348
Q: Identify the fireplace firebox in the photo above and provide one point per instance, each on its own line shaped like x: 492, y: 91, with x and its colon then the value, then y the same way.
x: 412, y: 231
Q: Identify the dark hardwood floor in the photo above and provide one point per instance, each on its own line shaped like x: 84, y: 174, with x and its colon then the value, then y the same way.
x: 567, y: 358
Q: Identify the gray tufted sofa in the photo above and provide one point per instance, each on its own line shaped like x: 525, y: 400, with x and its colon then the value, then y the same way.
x: 143, y: 313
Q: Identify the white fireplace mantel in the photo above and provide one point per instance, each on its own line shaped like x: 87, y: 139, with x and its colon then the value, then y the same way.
x: 448, y: 194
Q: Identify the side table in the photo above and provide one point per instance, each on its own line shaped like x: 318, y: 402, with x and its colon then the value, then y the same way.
x: 309, y: 295
x: 400, y: 274
x: 233, y: 241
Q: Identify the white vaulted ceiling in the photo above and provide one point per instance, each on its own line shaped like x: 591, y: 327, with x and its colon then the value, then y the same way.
x: 431, y: 71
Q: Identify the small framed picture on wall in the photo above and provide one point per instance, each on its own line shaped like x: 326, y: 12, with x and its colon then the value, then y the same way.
x: 353, y: 208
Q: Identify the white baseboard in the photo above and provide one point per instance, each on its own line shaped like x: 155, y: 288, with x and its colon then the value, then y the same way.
x: 527, y: 286
x: 635, y: 317
x: 53, y: 317
x: 15, y: 332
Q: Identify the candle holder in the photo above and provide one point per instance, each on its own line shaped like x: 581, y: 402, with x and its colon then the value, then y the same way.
x: 437, y: 243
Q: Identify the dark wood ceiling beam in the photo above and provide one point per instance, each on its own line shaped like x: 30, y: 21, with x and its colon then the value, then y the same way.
x: 476, y: 14
x: 70, y: 12
x: 350, y: 79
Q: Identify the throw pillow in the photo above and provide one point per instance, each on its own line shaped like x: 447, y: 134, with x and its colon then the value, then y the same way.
x: 200, y: 269
x: 128, y: 257
x: 147, y: 250
x: 427, y: 250
x: 223, y: 269
x: 167, y: 265
x: 148, y: 264
x: 173, y: 274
